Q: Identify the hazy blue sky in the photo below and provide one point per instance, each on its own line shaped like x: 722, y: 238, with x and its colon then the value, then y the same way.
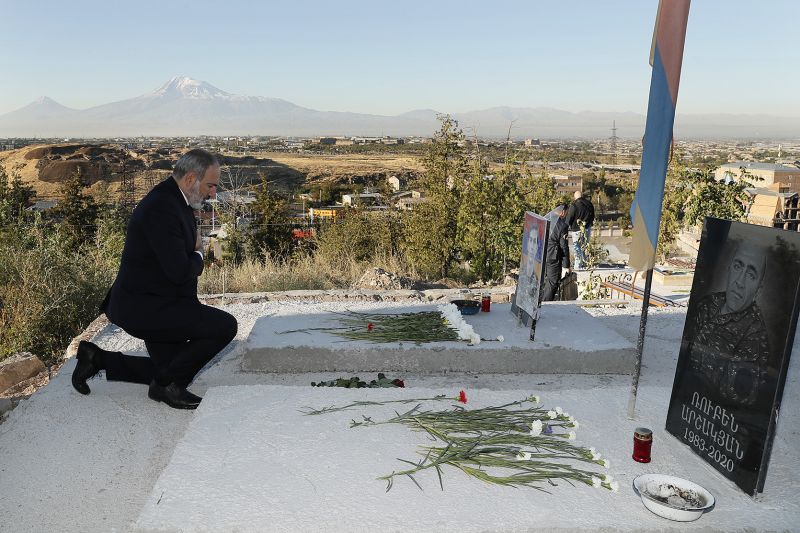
x: 388, y: 57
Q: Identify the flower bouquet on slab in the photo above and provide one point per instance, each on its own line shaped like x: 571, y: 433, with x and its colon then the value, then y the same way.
x: 518, y: 444
x: 444, y: 324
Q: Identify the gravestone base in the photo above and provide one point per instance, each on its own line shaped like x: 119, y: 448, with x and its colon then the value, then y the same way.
x: 568, y: 341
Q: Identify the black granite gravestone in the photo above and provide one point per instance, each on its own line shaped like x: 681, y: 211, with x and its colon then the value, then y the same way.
x: 735, y: 348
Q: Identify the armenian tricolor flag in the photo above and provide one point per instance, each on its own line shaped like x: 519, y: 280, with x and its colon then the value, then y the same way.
x: 666, y: 55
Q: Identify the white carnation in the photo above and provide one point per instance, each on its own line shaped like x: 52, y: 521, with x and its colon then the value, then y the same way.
x: 571, y: 435
x: 551, y: 415
x: 607, y: 478
x: 596, y: 482
x: 575, y: 424
x: 453, y: 316
x: 501, y: 338
x: 595, y: 454
x: 536, y: 428
x: 559, y: 410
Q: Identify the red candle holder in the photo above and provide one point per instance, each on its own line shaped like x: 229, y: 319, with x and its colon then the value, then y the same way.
x: 486, y: 303
x: 642, y: 443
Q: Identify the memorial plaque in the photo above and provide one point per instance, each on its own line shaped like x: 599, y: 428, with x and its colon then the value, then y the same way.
x: 735, y: 349
x: 527, y: 298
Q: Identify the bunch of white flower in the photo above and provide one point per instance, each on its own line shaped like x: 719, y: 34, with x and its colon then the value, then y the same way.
x: 453, y: 317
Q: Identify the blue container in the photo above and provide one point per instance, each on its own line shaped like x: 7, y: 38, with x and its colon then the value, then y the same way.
x: 467, y: 307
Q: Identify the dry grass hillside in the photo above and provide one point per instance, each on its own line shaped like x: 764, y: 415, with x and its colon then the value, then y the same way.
x: 320, y: 167
x: 45, y: 166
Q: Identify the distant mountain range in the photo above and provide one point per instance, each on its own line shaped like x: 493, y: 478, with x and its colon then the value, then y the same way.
x: 185, y: 107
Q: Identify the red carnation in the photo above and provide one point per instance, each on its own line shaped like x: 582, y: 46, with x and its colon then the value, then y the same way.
x: 370, y: 327
x: 462, y: 397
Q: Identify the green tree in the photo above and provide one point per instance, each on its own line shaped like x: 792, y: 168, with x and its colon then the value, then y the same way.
x: 690, y: 195
x: 432, y: 229
x: 539, y: 191
x: 14, y: 197
x: 235, y: 242
x: 712, y: 198
x: 359, y: 235
x: 77, y: 211
x: 491, y: 217
x: 676, y: 189
x: 271, y: 230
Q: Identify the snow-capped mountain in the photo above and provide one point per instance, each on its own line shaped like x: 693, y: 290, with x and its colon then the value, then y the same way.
x: 185, y: 106
x: 184, y: 87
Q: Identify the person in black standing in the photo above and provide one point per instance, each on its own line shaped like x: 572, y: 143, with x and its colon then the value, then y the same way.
x: 557, y: 255
x: 154, y: 296
x: 580, y: 219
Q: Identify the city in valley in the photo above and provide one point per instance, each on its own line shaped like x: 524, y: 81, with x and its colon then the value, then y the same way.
x: 320, y: 177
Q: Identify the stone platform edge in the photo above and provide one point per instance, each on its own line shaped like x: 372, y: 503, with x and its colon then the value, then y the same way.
x: 514, y: 360
x: 498, y: 294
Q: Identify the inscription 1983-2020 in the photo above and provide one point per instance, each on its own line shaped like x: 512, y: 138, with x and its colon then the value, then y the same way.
x: 711, y: 430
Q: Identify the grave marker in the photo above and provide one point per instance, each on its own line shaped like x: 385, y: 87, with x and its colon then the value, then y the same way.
x: 735, y: 349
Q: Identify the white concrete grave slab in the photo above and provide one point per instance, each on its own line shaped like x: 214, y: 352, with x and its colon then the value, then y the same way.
x: 251, y: 462
x: 568, y: 341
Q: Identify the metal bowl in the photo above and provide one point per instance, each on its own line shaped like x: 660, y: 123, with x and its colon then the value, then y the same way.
x: 467, y: 307
x: 672, y: 497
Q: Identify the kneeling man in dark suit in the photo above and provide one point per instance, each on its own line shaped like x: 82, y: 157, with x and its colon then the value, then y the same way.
x: 154, y: 297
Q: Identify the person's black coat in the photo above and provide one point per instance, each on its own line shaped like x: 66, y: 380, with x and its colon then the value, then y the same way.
x: 158, y: 273
x: 581, y: 209
x: 557, y: 246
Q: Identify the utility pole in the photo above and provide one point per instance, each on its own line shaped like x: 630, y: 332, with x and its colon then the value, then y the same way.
x: 614, y: 143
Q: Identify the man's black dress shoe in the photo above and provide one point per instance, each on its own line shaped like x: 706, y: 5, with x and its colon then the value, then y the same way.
x: 89, y: 364
x: 174, y: 396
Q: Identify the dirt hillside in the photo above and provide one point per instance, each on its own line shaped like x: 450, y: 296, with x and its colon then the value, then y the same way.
x: 45, y: 167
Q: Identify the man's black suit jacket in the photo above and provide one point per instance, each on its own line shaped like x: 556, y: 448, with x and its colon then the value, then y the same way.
x: 156, y: 287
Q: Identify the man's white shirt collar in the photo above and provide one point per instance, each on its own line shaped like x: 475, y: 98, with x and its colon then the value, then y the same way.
x: 184, y: 196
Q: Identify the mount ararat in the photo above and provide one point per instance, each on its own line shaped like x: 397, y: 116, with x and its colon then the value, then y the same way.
x: 187, y: 107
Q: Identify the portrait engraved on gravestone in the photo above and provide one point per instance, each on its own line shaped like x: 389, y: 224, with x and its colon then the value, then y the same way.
x: 527, y: 298
x: 729, y: 346
x: 735, y: 348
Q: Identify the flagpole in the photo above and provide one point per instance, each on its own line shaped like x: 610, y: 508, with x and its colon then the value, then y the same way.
x: 666, y: 57
x: 637, y: 369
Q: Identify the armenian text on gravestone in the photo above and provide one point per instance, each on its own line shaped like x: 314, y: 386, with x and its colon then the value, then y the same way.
x: 735, y: 348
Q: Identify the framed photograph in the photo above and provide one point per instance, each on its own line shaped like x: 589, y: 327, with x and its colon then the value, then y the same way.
x: 527, y: 298
x: 735, y: 348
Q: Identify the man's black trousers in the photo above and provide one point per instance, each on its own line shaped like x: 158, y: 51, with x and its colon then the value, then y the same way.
x: 552, y: 279
x: 176, y: 353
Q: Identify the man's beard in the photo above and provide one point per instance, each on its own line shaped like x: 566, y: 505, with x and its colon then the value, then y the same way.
x: 194, y: 196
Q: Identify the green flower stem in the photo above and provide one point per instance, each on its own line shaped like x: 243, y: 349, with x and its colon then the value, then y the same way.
x: 333, y: 409
x: 419, y: 327
x: 493, y: 444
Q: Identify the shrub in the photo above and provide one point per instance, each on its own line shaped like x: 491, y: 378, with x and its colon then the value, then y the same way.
x: 48, y: 293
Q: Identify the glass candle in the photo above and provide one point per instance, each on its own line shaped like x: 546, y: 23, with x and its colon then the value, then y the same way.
x: 642, y: 442
x: 486, y: 303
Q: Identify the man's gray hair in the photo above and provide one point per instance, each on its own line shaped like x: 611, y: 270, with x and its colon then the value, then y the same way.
x: 197, y: 161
